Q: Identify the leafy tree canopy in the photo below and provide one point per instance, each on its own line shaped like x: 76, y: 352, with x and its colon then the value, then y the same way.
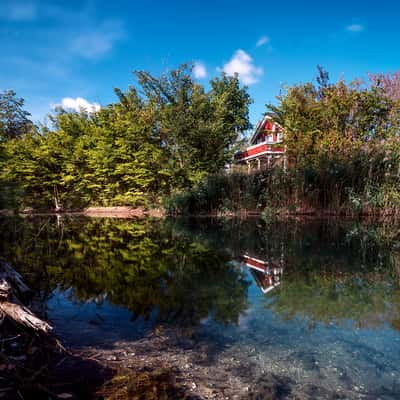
x: 14, y: 120
x: 161, y: 135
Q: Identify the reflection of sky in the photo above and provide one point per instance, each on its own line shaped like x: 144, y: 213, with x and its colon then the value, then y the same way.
x: 366, y: 357
x: 91, y: 323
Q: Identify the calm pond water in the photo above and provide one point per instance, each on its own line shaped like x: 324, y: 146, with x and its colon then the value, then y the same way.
x: 316, y: 301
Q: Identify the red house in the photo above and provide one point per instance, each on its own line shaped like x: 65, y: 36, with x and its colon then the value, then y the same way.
x: 266, y: 146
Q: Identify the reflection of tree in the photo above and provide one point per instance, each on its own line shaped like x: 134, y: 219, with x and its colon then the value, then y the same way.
x: 368, y: 300
x: 142, y: 265
x: 333, y: 270
x: 180, y: 268
x: 348, y: 272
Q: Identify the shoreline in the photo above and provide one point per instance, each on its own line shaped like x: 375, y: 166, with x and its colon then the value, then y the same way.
x: 140, y: 212
x: 95, y: 212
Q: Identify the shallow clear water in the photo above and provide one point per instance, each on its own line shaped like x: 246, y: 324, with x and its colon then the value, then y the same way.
x: 317, y: 302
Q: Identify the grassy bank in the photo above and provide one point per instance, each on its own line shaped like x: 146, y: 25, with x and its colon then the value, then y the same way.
x: 332, y: 191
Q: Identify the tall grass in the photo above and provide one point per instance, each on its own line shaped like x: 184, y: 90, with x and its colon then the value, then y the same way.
x: 365, y: 183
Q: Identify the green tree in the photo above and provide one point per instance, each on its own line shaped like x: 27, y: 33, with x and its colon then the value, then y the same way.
x: 198, y: 129
x: 166, y: 135
x: 14, y: 120
x: 14, y: 124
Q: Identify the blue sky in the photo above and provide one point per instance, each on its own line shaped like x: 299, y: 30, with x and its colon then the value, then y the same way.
x: 55, y: 50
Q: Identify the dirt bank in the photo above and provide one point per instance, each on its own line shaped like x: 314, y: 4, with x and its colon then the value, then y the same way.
x: 122, y: 212
x: 140, y: 212
x: 98, y: 212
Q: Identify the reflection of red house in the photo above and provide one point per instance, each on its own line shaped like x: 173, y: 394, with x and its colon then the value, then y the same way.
x: 265, y: 145
x: 266, y: 276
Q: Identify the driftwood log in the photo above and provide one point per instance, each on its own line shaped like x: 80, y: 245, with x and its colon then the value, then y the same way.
x: 12, y: 289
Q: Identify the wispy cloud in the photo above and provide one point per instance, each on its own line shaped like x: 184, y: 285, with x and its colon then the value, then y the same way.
x: 78, y: 104
x: 39, y: 67
x: 355, y: 28
x: 79, y: 32
x: 98, y: 41
x: 199, y: 70
x: 69, y: 37
x: 242, y: 64
x: 262, y: 41
x: 18, y: 11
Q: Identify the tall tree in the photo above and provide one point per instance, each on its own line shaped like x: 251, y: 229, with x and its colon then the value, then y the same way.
x: 166, y: 134
x: 198, y: 128
x: 14, y: 120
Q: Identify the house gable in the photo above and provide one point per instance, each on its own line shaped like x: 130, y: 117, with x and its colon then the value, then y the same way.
x: 265, y: 143
x: 266, y: 130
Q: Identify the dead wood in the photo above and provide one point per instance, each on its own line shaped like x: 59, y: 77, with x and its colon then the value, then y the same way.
x: 12, y: 289
x: 23, y: 316
x: 11, y: 276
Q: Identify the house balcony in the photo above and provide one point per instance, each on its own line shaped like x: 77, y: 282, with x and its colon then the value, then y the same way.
x: 263, y: 149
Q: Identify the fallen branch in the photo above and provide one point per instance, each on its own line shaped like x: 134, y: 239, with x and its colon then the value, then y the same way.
x: 23, y: 316
x: 11, y: 288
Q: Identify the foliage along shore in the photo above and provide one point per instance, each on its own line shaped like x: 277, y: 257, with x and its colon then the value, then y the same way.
x: 343, y: 147
x: 160, y: 212
x: 166, y: 141
x: 274, y: 195
x: 162, y: 135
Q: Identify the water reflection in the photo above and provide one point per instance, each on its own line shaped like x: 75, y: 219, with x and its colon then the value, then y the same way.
x: 152, y: 270
x: 266, y: 274
x: 180, y: 271
x: 318, y: 302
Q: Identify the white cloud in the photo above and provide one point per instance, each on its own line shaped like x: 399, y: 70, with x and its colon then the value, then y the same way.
x: 199, y: 70
x: 79, y: 104
x: 355, y: 28
x: 242, y: 64
x: 96, y: 42
x: 262, y: 41
x: 18, y: 11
